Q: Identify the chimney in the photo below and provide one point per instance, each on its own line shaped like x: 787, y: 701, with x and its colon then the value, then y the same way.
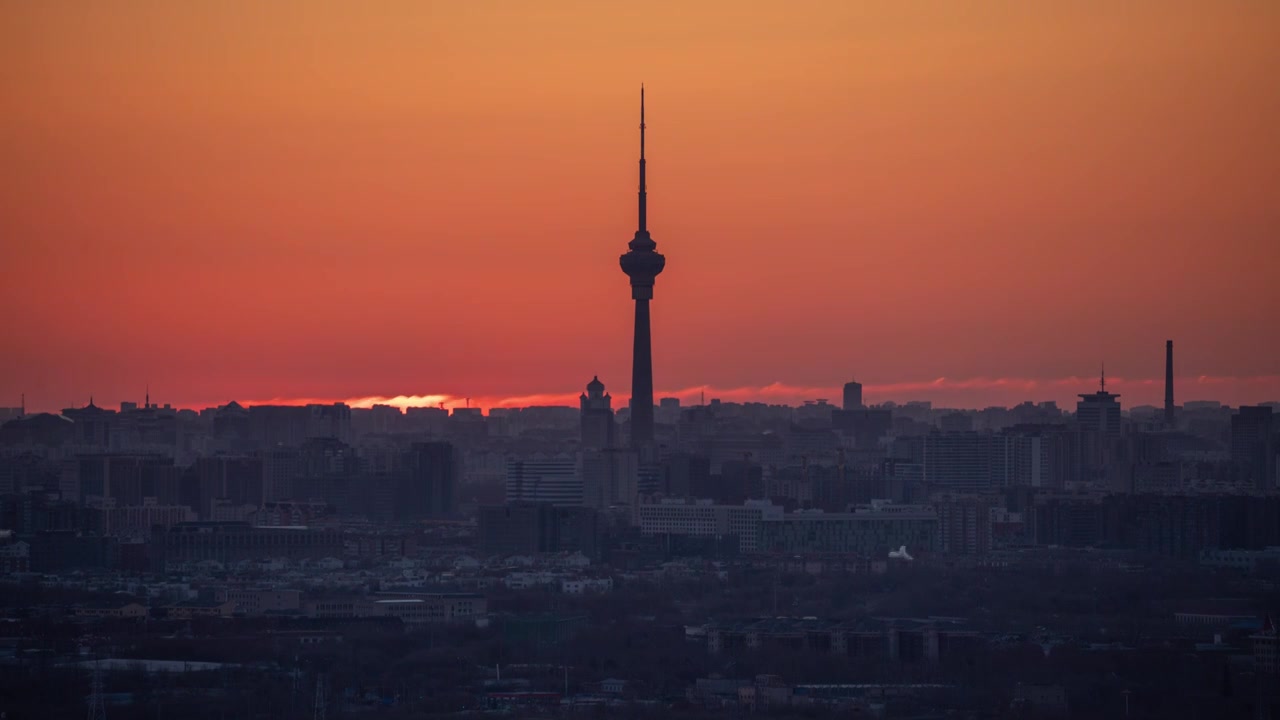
x: 1168, y: 384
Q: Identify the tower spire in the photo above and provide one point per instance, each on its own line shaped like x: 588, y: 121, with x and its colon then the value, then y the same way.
x: 642, y: 264
x: 644, y: 196
x: 1102, y: 379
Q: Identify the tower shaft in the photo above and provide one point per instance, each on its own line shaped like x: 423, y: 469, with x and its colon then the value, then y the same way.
x: 1168, y: 383
x: 642, y: 380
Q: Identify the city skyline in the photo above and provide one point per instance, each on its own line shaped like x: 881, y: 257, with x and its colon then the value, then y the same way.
x: 291, y: 226
x: 321, y: 396
x: 942, y: 392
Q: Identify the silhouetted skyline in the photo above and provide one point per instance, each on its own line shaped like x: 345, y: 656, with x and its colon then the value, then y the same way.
x: 900, y: 442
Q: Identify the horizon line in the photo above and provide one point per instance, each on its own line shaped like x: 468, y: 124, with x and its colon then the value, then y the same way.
x: 779, y: 393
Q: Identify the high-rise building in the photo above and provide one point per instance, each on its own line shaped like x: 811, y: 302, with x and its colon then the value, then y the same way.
x: 530, y: 528
x: 668, y: 411
x: 1253, y: 449
x: 1168, y: 384
x: 642, y: 264
x: 1098, y: 423
x: 280, y: 467
x: 92, y: 425
x: 961, y: 461
x: 554, y: 479
x: 597, y: 416
x: 428, y: 491
x: 685, y: 475
x: 1099, y: 412
x: 956, y: 422
x: 610, y: 477
x: 964, y: 524
x: 852, y: 395
x: 865, y: 425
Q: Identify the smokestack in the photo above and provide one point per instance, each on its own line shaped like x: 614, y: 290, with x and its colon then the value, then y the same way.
x: 1168, y: 383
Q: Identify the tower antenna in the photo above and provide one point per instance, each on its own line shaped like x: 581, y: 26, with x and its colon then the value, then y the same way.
x: 1102, y: 380
x: 644, y: 194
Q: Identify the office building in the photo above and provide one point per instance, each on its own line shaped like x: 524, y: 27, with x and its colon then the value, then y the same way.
x: 610, y: 477
x: 703, y: 518
x: 1253, y: 446
x: 870, y: 531
x: 852, y: 396
x: 962, y: 461
x: 1098, y: 425
x: 555, y: 479
x: 428, y: 489
x: 964, y: 524
x: 532, y: 528
x: 231, y: 542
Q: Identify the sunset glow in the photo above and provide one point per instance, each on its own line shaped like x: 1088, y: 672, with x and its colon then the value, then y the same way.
x: 294, y: 200
x: 943, y: 392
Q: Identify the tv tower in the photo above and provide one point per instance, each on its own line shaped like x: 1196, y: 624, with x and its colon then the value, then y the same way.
x: 642, y: 264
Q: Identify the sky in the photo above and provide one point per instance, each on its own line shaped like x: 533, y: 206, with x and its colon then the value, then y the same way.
x: 974, y: 203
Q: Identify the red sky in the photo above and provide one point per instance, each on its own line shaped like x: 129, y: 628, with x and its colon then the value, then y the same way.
x: 347, y: 200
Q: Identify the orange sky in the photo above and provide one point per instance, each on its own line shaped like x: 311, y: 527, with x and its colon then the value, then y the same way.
x: 252, y: 200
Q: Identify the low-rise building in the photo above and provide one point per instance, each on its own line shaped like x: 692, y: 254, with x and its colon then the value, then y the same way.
x: 584, y: 586
x: 891, y: 639
x: 704, y: 518
x: 116, y: 610
x: 258, y: 601
x: 870, y: 531
x: 410, y: 608
x: 199, y: 608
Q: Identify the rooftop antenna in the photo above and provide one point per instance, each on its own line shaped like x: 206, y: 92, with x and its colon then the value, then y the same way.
x: 1102, y: 381
x: 23, y: 409
x: 146, y: 403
